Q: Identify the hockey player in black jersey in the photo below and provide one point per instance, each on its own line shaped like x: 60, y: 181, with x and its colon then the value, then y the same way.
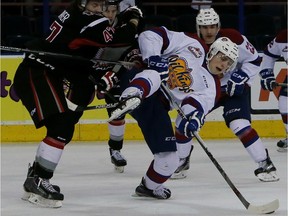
x: 80, y: 30
x: 117, y: 126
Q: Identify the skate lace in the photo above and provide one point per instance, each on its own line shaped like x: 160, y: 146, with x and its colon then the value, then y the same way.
x: 117, y: 155
x: 182, y: 161
x: 46, y: 185
x: 161, y: 192
x: 266, y: 165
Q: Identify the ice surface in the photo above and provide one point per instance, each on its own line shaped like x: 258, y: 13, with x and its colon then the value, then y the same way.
x: 92, y: 188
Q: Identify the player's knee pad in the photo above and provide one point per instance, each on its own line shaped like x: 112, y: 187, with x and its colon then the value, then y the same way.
x: 61, y: 126
x: 239, y: 126
x: 165, y: 163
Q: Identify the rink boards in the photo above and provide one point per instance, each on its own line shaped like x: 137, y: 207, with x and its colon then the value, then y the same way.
x: 16, y: 124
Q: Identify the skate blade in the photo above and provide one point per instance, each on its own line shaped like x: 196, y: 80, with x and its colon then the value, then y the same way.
x: 119, y: 169
x: 180, y: 175
x: 133, y: 104
x: 26, y: 196
x: 43, y: 202
x: 142, y: 197
x: 268, y: 177
x: 282, y: 149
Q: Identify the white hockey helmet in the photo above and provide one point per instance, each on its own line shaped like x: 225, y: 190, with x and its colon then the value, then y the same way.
x: 207, y: 17
x: 227, y: 47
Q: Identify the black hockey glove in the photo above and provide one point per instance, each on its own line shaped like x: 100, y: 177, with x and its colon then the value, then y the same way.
x: 107, y: 82
x: 131, y: 13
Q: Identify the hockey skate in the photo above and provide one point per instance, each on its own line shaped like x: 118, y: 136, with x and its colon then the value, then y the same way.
x: 118, y: 160
x: 181, y: 171
x: 30, y: 174
x: 282, y: 145
x: 39, y: 191
x: 159, y: 193
x: 129, y: 100
x: 266, y: 171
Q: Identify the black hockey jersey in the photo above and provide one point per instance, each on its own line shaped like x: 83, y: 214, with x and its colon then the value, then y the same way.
x: 79, y: 33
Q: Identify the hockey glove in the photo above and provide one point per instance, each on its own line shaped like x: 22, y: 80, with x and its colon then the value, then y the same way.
x: 107, y: 82
x: 268, y: 81
x: 236, y: 83
x: 193, y: 123
x: 160, y: 65
x: 131, y: 13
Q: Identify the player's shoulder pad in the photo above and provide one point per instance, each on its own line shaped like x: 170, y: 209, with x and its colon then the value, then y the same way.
x: 282, y: 36
x: 234, y: 35
x: 158, y: 30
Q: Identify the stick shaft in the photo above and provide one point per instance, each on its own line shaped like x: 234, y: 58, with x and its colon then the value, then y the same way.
x: 282, y: 84
x: 67, y: 56
x: 77, y: 108
x: 205, y: 148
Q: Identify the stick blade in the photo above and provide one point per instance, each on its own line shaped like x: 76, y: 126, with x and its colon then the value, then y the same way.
x: 264, y: 209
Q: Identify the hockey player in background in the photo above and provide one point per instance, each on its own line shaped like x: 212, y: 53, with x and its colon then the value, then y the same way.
x: 180, y: 63
x: 276, y: 49
x: 235, y: 86
x: 117, y: 126
x: 80, y: 30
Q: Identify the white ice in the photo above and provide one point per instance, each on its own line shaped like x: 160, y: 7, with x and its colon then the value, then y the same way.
x: 92, y: 188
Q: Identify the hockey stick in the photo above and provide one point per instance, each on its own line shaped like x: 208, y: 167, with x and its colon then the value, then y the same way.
x: 67, y: 56
x: 262, y: 209
x: 78, y: 108
x: 280, y: 84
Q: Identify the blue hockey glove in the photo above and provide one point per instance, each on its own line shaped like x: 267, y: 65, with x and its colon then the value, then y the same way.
x: 193, y: 123
x: 268, y: 81
x: 159, y: 64
x: 236, y: 83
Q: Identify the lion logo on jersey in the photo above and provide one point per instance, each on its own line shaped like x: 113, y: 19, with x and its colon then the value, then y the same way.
x: 179, y: 74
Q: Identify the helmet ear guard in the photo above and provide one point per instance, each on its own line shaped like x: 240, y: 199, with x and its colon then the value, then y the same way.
x: 207, y: 17
x: 227, y: 47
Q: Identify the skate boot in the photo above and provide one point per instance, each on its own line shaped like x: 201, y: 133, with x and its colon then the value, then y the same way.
x: 40, y: 192
x: 159, y: 193
x: 266, y: 171
x: 118, y: 160
x: 282, y: 145
x: 30, y: 174
x: 181, y: 171
x: 129, y: 100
